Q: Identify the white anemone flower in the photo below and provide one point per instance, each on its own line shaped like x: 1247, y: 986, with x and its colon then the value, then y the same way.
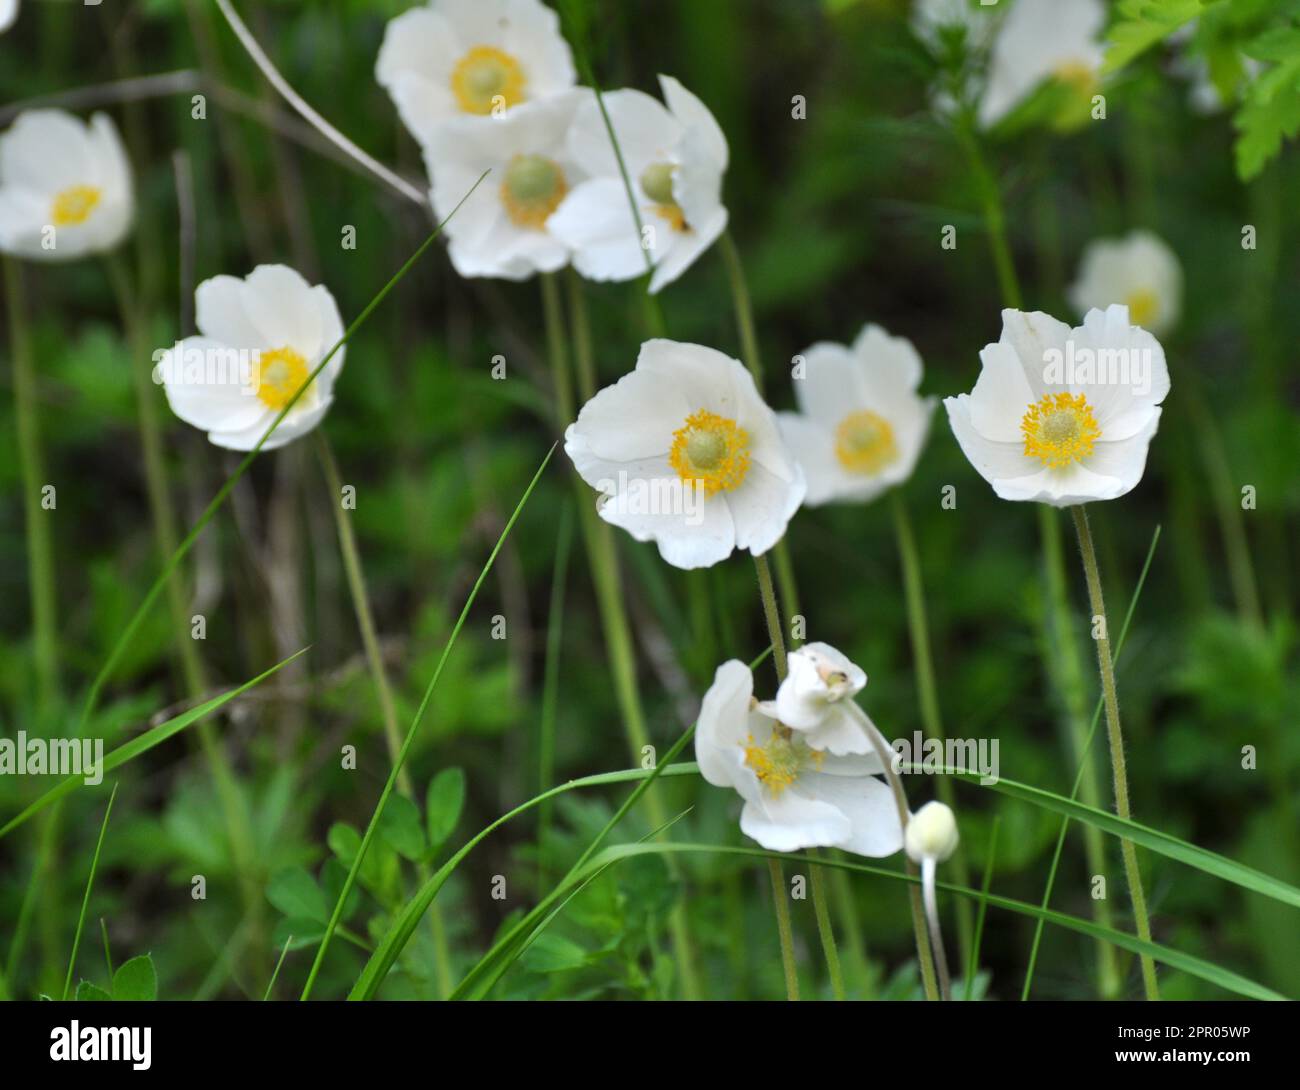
x: 65, y: 186
x: 504, y: 229
x: 795, y: 796
x: 480, y: 58
x: 259, y: 340
x: 675, y: 159
x: 1037, y: 41
x: 1140, y: 271
x: 1060, y: 415
x: 861, y: 424
x: 816, y: 699
x: 8, y: 13
x: 685, y: 452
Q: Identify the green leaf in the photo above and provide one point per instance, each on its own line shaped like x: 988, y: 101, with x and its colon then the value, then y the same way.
x: 554, y: 954
x: 1270, y: 115
x: 143, y: 743
x: 400, y: 826
x: 91, y: 993
x: 136, y: 980
x: 443, y: 805
x: 295, y: 893
x: 1142, y: 23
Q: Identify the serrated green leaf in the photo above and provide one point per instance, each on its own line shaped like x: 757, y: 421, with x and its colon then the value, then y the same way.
x: 1142, y: 23
x: 92, y: 993
x: 1270, y: 115
x: 443, y: 805
x: 136, y: 981
x: 399, y: 825
x: 294, y: 892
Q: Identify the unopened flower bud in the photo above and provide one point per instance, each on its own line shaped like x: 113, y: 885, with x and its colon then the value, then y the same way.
x: 931, y: 833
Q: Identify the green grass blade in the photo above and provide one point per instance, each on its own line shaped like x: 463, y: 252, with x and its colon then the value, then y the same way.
x: 398, y: 764
x: 972, y: 966
x: 270, y: 984
x: 143, y: 743
x: 85, y: 900
x: 406, y: 921
x: 1175, y: 959
x: 129, y: 630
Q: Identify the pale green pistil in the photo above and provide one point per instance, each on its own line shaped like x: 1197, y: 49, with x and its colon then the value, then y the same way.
x: 657, y: 182
x: 706, y: 449
x: 532, y: 178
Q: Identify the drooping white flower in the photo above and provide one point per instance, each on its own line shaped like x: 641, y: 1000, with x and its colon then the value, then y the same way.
x: 481, y: 58
x: 1140, y: 271
x: 861, y: 424
x: 931, y: 833
x: 8, y: 14
x: 65, y: 186
x: 505, y: 227
x: 816, y: 699
x: 685, y: 452
x: 259, y: 340
x: 795, y: 796
x: 675, y: 158
x: 1059, y: 39
x: 1061, y: 415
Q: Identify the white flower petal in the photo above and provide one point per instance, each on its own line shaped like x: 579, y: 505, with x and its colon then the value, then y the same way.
x: 790, y: 821
x: 694, y: 115
x: 595, y: 222
x: 280, y: 304
x: 868, y: 805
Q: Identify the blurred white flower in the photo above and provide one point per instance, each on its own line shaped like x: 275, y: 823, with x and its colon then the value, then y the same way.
x: 476, y: 57
x: 1040, y: 40
x: 932, y: 19
x: 795, y: 796
x: 861, y: 424
x: 686, y: 453
x: 504, y: 229
x: 1140, y: 271
x: 931, y: 833
x: 816, y: 699
x: 1060, y: 415
x: 675, y: 159
x: 259, y: 340
x: 65, y: 186
x: 8, y: 13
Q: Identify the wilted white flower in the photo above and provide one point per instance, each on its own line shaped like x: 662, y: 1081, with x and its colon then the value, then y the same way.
x: 65, y: 186
x: 931, y: 833
x: 476, y: 57
x: 8, y: 13
x: 1041, y: 40
x: 675, y: 159
x: 259, y: 340
x: 861, y: 424
x: 1061, y: 415
x: 685, y: 452
x: 504, y: 229
x: 1140, y: 271
x: 795, y: 796
x: 816, y: 699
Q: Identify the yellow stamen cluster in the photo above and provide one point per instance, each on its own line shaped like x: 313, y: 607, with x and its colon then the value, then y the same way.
x: 486, y: 75
x: 74, y: 205
x: 533, y: 188
x: 778, y: 762
x: 1077, y: 76
x: 1142, y: 306
x: 864, y: 443
x: 1060, y: 429
x: 277, y: 376
x: 711, y: 450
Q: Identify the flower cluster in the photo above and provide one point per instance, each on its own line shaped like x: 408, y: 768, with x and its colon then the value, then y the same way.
x: 806, y: 763
x: 489, y: 85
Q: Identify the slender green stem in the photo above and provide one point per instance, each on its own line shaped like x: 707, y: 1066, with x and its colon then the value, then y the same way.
x: 919, y: 628
x: 771, y: 615
x: 40, y: 552
x: 602, y: 554
x: 1061, y: 650
x: 783, y: 929
x: 995, y: 220
x: 85, y: 901
x: 379, y: 676
x: 826, y: 932
x: 1116, y: 737
x: 931, y: 901
x: 551, y: 686
x: 973, y: 964
x: 744, y: 308
x: 270, y: 984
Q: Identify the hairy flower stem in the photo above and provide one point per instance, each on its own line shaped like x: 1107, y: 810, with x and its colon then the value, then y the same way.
x: 784, y: 930
x: 1116, y: 738
x: 827, y: 933
x: 383, y: 690
x: 603, y: 557
x: 928, y: 867
x: 238, y: 827
x: 919, y: 628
